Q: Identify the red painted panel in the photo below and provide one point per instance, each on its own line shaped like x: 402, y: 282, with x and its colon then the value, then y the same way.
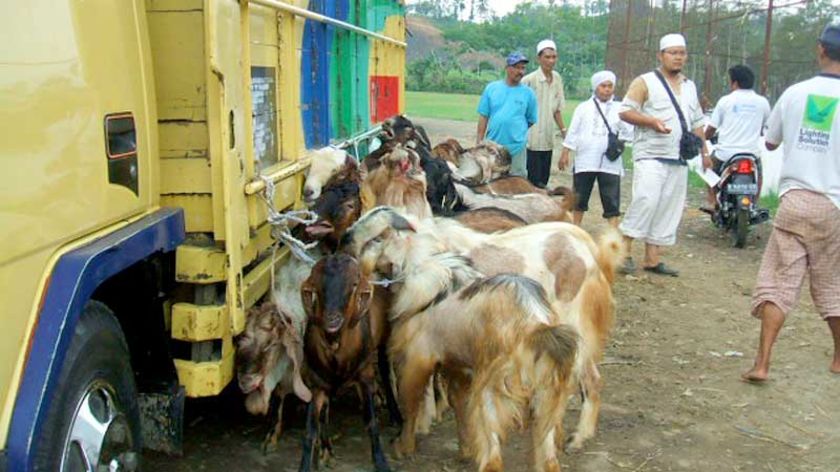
x: 384, y: 97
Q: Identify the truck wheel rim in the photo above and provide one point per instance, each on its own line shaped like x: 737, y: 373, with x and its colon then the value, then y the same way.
x: 99, y: 434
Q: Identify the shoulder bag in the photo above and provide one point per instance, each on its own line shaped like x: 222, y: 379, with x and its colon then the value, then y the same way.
x: 690, y: 143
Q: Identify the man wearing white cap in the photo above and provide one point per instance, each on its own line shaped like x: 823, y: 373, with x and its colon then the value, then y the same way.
x: 548, y: 86
x: 661, y: 104
x: 588, y: 138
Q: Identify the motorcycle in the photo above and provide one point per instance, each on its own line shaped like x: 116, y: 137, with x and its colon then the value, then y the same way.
x: 737, y: 196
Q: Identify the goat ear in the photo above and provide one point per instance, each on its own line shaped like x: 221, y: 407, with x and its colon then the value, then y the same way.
x: 349, y: 161
x: 399, y: 222
x: 363, y: 298
x: 420, y: 132
x: 308, y: 299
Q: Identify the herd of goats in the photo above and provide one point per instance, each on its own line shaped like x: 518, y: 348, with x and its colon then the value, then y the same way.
x: 459, y: 285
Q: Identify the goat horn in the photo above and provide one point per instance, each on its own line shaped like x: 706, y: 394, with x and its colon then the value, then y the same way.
x: 399, y: 222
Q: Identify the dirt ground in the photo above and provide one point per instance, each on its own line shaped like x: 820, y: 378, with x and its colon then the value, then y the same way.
x: 672, y: 396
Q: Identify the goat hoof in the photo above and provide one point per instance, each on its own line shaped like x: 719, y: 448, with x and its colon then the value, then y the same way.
x: 401, y: 451
x: 270, y: 445
x: 551, y: 466
x: 574, y: 444
x: 326, y: 456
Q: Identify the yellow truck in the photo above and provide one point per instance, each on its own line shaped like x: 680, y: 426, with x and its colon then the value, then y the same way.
x: 137, y: 136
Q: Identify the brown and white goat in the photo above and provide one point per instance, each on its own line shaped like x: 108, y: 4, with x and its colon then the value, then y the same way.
x: 269, y: 359
x: 342, y: 341
x: 576, y: 273
x: 489, y: 220
x: 449, y: 150
x: 483, y: 163
x: 515, y: 185
x: 398, y: 181
x: 531, y: 207
x: 491, y: 337
x: 269, y: 352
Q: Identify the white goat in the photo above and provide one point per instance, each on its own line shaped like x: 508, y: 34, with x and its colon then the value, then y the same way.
x: 326, y: 162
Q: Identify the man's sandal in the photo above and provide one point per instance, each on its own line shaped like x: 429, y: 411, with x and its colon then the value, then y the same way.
x: 662, y: 269
x: 629, y: 267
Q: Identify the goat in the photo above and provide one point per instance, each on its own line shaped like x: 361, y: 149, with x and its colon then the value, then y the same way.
x: 576, y: 273
x: 338, y: 206
x: 531, y: 207
x: 398, y: 180
x: 483, y: 163
x: 401, y: 135
x: 488, y: 335
x: 515, y: 185
x: 269, y: 359
x: 325, y: 163
x: 400, y: 129
x: 342, y: 339
x: 489, y: 220
x: 449, y: 150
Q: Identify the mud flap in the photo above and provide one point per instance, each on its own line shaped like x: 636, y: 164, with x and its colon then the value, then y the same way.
x: 162, y: 420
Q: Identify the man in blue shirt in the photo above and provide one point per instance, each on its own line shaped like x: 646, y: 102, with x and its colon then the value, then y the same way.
x: 506, y: 110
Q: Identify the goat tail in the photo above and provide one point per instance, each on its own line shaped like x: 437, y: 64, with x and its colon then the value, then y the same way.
x: 560, y: 344
x: 611, y: 252
x: 496, y: 402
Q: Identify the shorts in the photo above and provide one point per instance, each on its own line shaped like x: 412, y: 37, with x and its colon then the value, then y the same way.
x: 609, y: 186
x: 805, y: 240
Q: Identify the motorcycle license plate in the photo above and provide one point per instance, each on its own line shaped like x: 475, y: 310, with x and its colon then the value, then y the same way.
x: 742, y: 189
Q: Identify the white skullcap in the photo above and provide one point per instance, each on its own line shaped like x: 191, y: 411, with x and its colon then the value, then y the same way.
x: 671, y: 40
x: 545, y: 43
x: 599, y: 78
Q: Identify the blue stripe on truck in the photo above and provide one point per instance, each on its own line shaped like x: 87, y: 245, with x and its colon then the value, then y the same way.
x: 75, y: 276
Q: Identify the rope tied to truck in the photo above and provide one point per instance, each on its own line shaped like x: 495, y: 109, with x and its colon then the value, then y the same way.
x: 280, y: 222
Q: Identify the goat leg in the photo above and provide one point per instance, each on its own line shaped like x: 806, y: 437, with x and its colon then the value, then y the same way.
x: 385, y: 377
x: 459, y: 384
x: 428, y: 414
x: 414, y: 375
x: 590, y: 387
x: 379, y: 462
x: 273, y: 436
x: 442, y: 402
x: 311, y: 440
x: 326, y: 453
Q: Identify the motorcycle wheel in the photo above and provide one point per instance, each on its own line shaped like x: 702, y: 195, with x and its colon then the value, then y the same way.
x: 742, y: 224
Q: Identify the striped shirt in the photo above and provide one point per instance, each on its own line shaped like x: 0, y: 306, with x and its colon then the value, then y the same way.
x: 550, y: 99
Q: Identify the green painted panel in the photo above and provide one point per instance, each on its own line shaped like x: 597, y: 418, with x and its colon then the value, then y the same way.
x: 361, y: 112
x: 379, y: 11
x: 350, y: 66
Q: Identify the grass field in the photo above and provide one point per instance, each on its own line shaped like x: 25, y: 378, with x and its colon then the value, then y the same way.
x: 453, y: 106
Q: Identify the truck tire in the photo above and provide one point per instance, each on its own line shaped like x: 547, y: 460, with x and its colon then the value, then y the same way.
x: 742, y: 224
x: 93, y: 421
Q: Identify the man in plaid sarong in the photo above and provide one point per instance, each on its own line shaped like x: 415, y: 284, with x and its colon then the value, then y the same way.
x: 806, y: 230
